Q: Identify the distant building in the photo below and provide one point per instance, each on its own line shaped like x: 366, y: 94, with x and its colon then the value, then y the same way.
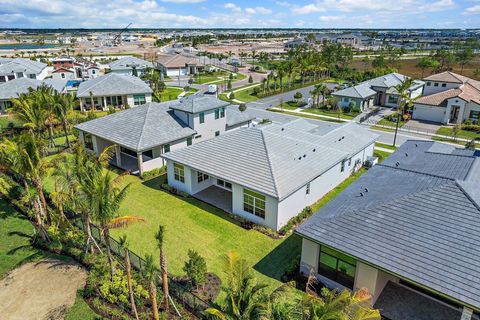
x: 14, y: 68
x: 179, y: 65
x: 130, y: 66
x: 74, y: 69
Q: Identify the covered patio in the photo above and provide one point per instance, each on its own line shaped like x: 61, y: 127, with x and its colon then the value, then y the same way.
x: 217, y: 197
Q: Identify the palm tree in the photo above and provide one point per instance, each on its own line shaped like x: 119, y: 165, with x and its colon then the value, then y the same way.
x: 254, y: 56
x: 124, y: 248
x: 160, y: 237
x: 404, y: 101
x: 25, y: 109
x: 244, y: 297
x: 63, y: 105
x: 151, y: 275
x: 44, y: 99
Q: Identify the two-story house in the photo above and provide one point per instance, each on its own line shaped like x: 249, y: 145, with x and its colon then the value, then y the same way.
x: 14, y: 68
x: 142, y: 134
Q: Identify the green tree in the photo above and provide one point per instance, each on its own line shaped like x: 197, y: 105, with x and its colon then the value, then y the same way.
x: 151, y: 276
x: 464, y: 57
x: 160, y: 237
x: 195, y: 268
x: 250, y: 79
x: 128, y: 268
x: 298, y: 95
x: 62, y: 106
x: 471, y: 145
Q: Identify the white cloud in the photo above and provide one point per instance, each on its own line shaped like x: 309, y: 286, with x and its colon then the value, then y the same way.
x: 307, y: 9
x: 232, y: 6
x: 472, y: 10
x: 259, y: 10
x: 284, y: 4
x: 332, y: 18
x: 183, y: 1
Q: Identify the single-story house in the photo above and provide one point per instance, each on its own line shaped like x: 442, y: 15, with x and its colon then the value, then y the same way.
x: 14, y: 68
x: 449, y: 98
x: 179, y: 65
x: 407, y: 230
x: 130, y: 66
x: 13, y: 88
x: 379, y: 91
x: 270, y: 173
x: 143, y: 133
x: 115, y: 90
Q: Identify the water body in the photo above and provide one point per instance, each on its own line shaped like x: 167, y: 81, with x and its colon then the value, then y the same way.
x: 26, y: 46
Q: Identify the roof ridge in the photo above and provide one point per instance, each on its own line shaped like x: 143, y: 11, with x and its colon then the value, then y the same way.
x: 269, y: 161
x: 144, y: 124
x: 457, y: 183
x: 101, y: 80
x: 413, y: 171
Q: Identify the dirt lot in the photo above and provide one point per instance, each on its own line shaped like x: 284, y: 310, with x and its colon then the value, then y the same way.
x: 40, y: 290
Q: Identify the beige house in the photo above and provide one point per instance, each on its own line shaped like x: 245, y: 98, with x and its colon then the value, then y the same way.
x: 179, y: 65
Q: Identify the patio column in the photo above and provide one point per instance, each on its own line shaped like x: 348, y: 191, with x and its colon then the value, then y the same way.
x: 140, y: 162
x: 118, y: 155
x: 82, y: 108
x: 105, y: 107
x: 466, y: 314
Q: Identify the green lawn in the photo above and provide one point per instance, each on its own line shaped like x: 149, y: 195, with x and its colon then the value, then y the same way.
x: 385, y: 146
x: 305, y: 115
x: 5, y: 120
x: 382, y: 155
x: 81, y: 310
x: 332, y: 113
x: 170, y: 93
x: 246, y: 95
x: 448, y: 131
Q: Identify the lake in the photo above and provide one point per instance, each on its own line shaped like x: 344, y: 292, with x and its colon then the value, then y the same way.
x: 26, y: 46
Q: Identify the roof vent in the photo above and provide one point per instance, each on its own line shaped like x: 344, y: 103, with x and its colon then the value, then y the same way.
x: 361, y: 194
x: 406, y: 154
x: 283, y: 129
x: 304, y: 155
x: 397, y: 164
x: 366, y: 189
x: 314, y: 150
x: 416, y: 145
x: 299, y: 158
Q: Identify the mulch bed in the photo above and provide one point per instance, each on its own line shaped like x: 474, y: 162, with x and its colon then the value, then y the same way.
x: 209, y: 291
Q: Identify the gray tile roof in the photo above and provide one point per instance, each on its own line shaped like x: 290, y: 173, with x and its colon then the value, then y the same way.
x: 359, y: 91
x: 235, y: 116
x: 417, y: 220
x: 21, y: 65
x: 274, y: 159
x: 12, y: 88
x: 140, y: 128
x: 127, y: 62
x: 113, y: 84
x: 196, y: 104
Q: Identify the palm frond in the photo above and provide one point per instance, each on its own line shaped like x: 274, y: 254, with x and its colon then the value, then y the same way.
x: 121, y: 222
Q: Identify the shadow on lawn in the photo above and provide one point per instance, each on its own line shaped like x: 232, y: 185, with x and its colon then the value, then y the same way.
x: 277, y: 262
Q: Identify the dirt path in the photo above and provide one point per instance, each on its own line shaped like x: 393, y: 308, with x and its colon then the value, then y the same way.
x: 40, y: 290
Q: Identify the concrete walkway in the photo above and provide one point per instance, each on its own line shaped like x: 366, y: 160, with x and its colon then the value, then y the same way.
x: 301, y: 113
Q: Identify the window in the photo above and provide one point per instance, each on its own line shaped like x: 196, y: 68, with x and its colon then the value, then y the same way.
x: 128, y: 151
x: 337, y: 267
x: 178, y: 172
x: 228, y: 185
x: 349, y: 162
x: 88, y: 141
x: 254, y: 203
x: 189, y: 141
x: 63, y: 75
x: 435, y: 84
x: 217, y: 114
x: 93, y: 71
x: 202, y: 117
x: 342, y: 167
x: 222, y: 112
x: 166, y: 148
x: 221, y: 183
x: 474, y: 115
x: 32, y: 76
x: 444, y: 85
x: 139, y: 99
x: 307, y: 189
x: 217, y: 133
x: 201, y: 176
x: 224, y: 184
x: 392, y: 99
x: 429, y: 84
x: 148, y: 153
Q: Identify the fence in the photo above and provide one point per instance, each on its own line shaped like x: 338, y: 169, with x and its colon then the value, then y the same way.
x: 181, y: 293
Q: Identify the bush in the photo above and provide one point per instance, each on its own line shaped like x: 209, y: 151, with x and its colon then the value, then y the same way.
x: 173, y: 190
x: 256, y: 91
x: 306, y: 212
x: 471, y: 127
x: 231, y: 95
x: 250, y: 79
x: 298, y: 95
x: 15, y: 192
x: 153, y: 173
x: 242, y: 107
x: 195, y: 268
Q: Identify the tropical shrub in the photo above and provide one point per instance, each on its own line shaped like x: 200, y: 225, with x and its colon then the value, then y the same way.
x: 195, y: 268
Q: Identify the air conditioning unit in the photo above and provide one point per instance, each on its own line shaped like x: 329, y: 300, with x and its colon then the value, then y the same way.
x: 370, y: 162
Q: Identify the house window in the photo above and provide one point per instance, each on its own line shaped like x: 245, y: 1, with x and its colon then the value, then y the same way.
x: 342, y: 167
x: 201, y: 176
x: 217, y: 114
x: 63, y: 75
x: 32, y: 76
x: 217, y: 133
x: 444, y: 85
x: 166, y: 148
x: 392, y: 99
x: 337, y: 267
x: 148, y: 153
x: 93, y: 71
x: 224, y: 184
x: 307, y: 189
x: 88, y: 141
x: 474, y: 115
x: 254, y: 203
x: 429, y: 84
x: 128, y: 151
x: 189, y: 141
x: 139, y: 99
x: 222, y: 112
x: 178, y: 172
x: 435, y: 84
x: 349, y: 162
x: 202, y: 117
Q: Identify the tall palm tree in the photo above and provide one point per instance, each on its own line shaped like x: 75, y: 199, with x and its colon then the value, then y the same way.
x: 405, y: 101
x: 44, y: 98
x: 244, y: 296
x: 160, y: 237
x: 151, y: 275
x: 62, y: 106
x: 26, y: 109
x: 128, y: 268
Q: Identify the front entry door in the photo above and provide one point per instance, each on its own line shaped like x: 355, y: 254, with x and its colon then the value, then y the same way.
x: 454, y: 114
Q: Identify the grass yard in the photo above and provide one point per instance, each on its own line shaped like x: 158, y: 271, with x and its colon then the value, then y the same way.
x: 81, y: 310
x: 9, y: 120
x: 246, y: 95
x: 307, y: 116
x: 448, y: 131
x: 343, y: 115
x: 382, y: 155
x: 385, y: 146
x: 170, y: 93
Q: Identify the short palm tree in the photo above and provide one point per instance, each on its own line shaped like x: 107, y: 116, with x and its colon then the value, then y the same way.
x: 160, y: 237
x: 128, y: 268
x: 151, y: 275
x: 63, y: 104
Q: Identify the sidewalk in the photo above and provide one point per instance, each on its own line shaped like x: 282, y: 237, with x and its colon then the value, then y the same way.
x: 301, y: 113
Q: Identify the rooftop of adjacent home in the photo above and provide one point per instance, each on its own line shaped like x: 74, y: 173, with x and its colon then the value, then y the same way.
x: 113, y: 84
x: 416, y: 215
x: 275, y: 159
x: 13, y: 88
x: 129, y: 62
x: 11, y: 65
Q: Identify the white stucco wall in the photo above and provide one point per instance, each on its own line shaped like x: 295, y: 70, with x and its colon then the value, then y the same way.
x: 310, y: 256
x: 210, y: 126
x: 177, y: 72
x: 429, y: 113
x: 431, y: 89
x: 67, y: 75
x: 417, y: 92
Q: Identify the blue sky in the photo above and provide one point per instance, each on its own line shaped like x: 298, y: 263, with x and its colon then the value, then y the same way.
x: 240, y: 14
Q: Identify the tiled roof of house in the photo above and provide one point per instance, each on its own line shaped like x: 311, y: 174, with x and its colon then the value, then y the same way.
x: 12, y: 89
x: 113, y: 84
x: 198, y: 103
x: 235, y: 116
x: 466, y: 91
x: 177, y: 61
x: 359, y: 91
x: 416, y: 216
x: 274, y: 159
x: 140, y: 128
x: 447, y: 76
x: 128, y: 62
x: 21, y: 65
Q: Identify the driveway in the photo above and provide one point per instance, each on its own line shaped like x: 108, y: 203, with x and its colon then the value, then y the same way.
x: 422, y: 126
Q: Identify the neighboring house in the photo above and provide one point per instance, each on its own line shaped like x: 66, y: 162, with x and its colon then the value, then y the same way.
x: 74, y: 69
x: 268, y: 174
x: 143, y: 133
x: 407, y: 230
x: 448, y: 98
x: 64, y: 73
x: 130, y: 66
x: 179, y: 65
x: 378, y: 91
x: 113, y: 90
x: 15, y: 68
x: 13, y: 88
